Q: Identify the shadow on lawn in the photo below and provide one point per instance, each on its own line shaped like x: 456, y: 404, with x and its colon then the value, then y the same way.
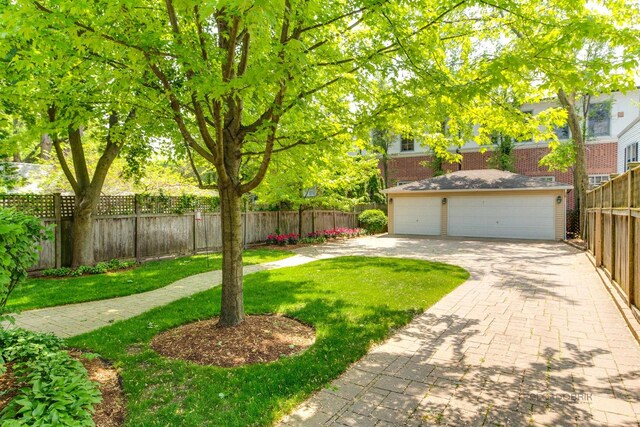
x: 168, y: 392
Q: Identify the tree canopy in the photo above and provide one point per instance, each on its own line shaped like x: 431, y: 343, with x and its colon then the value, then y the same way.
x: 245, y: 83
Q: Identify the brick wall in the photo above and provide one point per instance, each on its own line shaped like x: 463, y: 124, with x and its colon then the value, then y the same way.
x: 601, y: 159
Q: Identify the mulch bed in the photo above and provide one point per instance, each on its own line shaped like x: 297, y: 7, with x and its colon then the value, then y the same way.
x: 109, y: 413
x: 259, y: 339
x: 8, y: 387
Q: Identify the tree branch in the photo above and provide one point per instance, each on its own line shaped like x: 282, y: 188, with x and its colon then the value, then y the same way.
x: 65, y: 166
x: 79, y: 160
x: 177, y: 117
x: 85, y: 27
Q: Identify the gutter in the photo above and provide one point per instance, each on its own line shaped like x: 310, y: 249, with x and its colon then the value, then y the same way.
x: 461, y: 190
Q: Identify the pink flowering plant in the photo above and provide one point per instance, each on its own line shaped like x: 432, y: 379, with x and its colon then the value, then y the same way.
x: 338, y: 232
x: 283, y: 239
x: 314, y: 237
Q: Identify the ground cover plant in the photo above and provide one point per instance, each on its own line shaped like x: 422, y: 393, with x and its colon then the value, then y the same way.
x: 99, y: 268
x: 47, y: 292
x: 54, y: 388
x: 352, y: 302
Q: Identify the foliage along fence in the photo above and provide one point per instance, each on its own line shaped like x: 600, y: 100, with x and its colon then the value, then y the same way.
x: 142, y: 227
x: 613, y: 232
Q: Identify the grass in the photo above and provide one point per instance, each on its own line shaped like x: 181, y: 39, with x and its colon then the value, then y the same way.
x: 49, y: 292
x: 352, y: 302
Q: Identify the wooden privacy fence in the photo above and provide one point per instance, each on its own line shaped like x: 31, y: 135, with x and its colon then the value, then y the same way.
x: 150, y: 226
x: 613, y: 232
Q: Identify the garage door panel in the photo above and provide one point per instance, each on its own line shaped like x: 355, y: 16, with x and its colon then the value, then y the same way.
x: 524, y: 217
x: 417, y: 215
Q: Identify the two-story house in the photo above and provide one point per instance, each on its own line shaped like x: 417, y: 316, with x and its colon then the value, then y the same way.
x: 613, y: 135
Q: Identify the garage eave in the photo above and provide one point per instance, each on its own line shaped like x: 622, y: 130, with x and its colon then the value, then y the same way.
x: 469, y: 190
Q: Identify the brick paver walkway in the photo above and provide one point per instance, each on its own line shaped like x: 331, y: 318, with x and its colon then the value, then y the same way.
x: 75, y: 319
x: 532, y: 338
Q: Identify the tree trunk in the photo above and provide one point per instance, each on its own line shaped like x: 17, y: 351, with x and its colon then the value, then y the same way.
x: 232, y: 306
x: 82, y: 231
x: 385, y: 171
x: 300, y: 210
x: 45, y: 147
x: 580, y: 177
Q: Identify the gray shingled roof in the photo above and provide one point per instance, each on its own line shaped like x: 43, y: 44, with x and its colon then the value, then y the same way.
x: 481, y: 179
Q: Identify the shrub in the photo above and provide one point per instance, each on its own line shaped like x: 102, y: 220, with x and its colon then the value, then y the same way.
x: 55, y: 388
x: 19, y: 250
x: 312, y: 240
x: 99, y: 268
x: 373, y: 220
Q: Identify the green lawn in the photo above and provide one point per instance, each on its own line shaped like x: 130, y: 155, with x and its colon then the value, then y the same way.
x: 40, y: 292
x: 352, y: 302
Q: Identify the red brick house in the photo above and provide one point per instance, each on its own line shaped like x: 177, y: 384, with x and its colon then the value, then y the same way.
x: 605, y: 155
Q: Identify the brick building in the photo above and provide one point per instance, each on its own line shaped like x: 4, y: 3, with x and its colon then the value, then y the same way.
x: 614, y: 134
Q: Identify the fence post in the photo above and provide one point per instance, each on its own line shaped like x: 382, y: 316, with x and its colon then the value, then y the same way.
x: 136, y: 234
x: 612, y: 233
x: 630, y: 240
x: 193, y: 229
x: 334, y: 219
x: 278, y: 221
x: 313, y: 220
x: 57, y: 210
x: 599, y: 237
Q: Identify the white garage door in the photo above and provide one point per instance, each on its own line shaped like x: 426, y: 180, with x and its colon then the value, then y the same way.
x: 516, y: 217
x: 417, y: 215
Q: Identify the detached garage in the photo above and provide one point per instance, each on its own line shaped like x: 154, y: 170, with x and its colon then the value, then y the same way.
x: 480, y: 203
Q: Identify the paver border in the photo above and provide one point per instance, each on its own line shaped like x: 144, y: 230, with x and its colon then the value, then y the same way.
x: 626, y: 311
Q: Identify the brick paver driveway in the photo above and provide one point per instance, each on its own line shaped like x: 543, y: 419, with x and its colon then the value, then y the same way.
x: 532, y: 338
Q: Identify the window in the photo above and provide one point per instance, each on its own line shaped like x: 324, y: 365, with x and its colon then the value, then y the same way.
x: 595, y: 180
x: 562, y: 132
x: 547, y: 178
x: 406, y: 144
x: 310, y: 192
x: 631, y: 153
x: 599, y: 119
x: 403, y: 182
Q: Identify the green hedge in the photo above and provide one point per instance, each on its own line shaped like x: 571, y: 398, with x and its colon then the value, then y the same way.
x: 373, y: 220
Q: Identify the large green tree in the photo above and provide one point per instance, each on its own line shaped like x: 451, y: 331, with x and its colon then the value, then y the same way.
x: 244, y: 81
x: 79, y: 105
x: 573, y: 55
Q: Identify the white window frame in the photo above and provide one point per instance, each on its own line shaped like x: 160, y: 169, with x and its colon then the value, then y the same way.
x: 407, y: 140
x: 549, y: 178
x: 402, y: 183
x: 598, y: 179
x: 589, y: 123
x: 631, y: 153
